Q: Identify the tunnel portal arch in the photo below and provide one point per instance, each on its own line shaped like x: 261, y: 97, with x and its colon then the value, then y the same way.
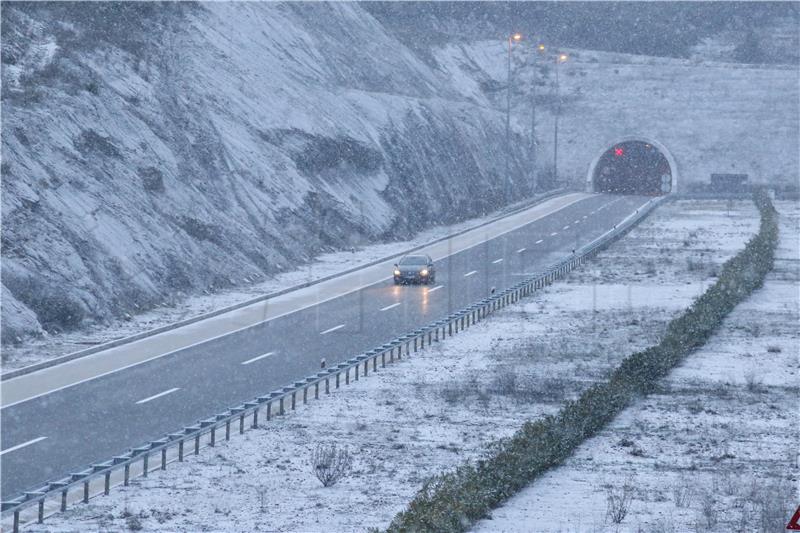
x: 633, y: 165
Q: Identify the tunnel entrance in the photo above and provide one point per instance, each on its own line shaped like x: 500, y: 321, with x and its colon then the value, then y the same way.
x: 633, y: 167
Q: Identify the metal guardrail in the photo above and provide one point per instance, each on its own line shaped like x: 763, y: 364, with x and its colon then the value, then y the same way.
x: 288, y: 397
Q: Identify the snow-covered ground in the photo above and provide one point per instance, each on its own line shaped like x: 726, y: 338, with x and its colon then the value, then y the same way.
x: 715, y: 449
x: 46, y: 347
x: 443, y: 405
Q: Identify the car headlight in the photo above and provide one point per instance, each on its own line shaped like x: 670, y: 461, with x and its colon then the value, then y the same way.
x: 423, y: 272
x: 396, y: 272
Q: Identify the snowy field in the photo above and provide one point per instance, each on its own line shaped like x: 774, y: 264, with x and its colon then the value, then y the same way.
x: 715, y: 449
x: 36, y: 350
x: 731, y: 408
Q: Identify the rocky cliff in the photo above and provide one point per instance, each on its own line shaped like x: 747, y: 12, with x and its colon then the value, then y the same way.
x: 151, y: 150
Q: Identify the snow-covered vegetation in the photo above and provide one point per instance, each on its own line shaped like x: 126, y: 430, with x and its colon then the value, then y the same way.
x: 442, y: 406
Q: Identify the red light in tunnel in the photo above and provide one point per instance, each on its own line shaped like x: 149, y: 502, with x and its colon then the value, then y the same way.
x: 619, y: 151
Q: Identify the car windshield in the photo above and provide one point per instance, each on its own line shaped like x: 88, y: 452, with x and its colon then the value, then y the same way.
x: 414, y: 260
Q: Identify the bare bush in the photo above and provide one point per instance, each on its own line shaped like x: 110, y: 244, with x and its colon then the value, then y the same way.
x: 505, y: 382
x: 708, y: 511
x: 753, y: 382
x: 263, y: 492
x: 773, y: 349
x: 330, y: 464
x: 682, y: 492
x: 618, y: 501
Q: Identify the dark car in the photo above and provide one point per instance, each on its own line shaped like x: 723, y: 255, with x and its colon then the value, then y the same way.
x: 415, y: 269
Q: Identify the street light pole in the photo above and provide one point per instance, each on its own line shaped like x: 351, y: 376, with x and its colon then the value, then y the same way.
x: 533, y: 127
x: 534, y: 186
x: 559, y: 59
x: 555, y: 130
x: 507, y: 177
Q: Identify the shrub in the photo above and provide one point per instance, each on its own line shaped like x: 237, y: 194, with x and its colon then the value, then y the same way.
x: 330, y: 464
x: 682, y: 493
x: 618, y: 502
x: 453, y: 501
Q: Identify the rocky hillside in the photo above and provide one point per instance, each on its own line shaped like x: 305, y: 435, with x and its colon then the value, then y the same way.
x: 152, y: 151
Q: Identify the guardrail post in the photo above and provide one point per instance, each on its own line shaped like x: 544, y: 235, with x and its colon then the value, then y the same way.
x: 163, y: 458
x: 375, y: 363
x: 127, y: 478
x: 316, y: 390
x: 16, y: 521
x: 228, y: 430
x: 64, y: 500
x: 269, y: 411
x: 280, y: 407
x: 305, y: 395
x: 356, y: 370
x: 337, y: 379
x: 40, y: 518
x: 85, y: 492
x: 241, y: 424
x: 294, y: 399
x: 255, y: 418
x: 197, y: 445
x: 180, y: 450
x: 213, y: 436
x: 144, y: 464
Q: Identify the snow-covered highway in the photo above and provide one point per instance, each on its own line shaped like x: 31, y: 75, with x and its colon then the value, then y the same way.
x: 92, y: 408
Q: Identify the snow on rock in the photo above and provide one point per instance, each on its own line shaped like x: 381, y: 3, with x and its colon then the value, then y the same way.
x: 152, y: 151
x: 442, y: 406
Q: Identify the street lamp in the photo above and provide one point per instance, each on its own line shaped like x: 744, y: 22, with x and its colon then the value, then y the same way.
x: 540, y: 48
x: 514, y: 37
x: 560, y: 58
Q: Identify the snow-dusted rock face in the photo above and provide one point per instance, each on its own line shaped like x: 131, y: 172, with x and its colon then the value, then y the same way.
x: 151, y: 150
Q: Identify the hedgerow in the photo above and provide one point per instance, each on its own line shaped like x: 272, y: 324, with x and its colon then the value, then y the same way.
x: 453, y: 501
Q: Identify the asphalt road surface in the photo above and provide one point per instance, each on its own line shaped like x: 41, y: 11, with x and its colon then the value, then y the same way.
x: 51, y: 433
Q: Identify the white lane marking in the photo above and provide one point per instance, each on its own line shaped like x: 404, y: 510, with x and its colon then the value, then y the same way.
x: 18, y: 446
x: 566, y: 227
x: 254, y: 359
x: 159, y: 395
x: 390, y: 306
x: 497, y: 261
x: 539, y: 241
x: 468, y: 274
x: 275, y: 317
x: 436, y: 288
x: 577, y: 222
x: 584, y: 217
x: 554, y: 234
x: 334, y: 328
x: 520, y: 250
